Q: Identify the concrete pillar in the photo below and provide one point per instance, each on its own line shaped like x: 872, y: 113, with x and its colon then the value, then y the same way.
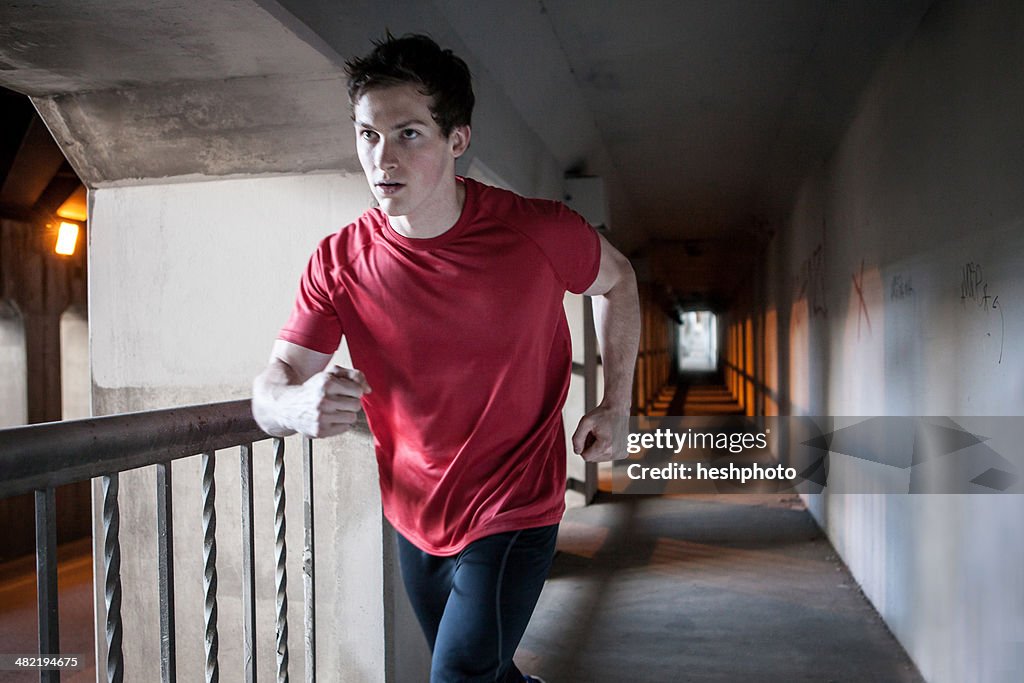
x: 13, y: 392
x: 584, y: 392
x: 190, y: 283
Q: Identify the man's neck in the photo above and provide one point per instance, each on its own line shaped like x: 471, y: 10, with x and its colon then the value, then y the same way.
x: 442, y: 219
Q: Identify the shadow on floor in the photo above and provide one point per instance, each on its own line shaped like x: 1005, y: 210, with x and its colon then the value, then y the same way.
x: 704, y: 588
x: 716, y: 588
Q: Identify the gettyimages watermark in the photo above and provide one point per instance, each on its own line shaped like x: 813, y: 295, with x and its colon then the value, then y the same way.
x: 736, y: 454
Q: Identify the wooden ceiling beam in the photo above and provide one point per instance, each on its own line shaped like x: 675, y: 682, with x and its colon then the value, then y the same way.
x: 37, y: 161
x: 62, y: 186
x: 23, y: 214
x: 16, y: 114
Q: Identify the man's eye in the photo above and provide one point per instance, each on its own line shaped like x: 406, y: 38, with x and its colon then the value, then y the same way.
x: 368, y: 135
x: 410, y: 134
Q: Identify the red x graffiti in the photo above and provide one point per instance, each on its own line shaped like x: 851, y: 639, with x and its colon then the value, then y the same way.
x: 858, y: 285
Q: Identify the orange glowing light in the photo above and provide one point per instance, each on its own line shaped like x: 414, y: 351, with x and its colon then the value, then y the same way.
x: 67, y: 238
x: 74, y: 207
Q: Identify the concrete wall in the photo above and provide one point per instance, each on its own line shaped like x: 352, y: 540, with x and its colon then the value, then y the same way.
x: 865, y: 284
x: 189, y: 284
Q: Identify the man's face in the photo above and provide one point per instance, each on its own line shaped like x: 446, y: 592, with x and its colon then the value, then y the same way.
x: 408, y: 162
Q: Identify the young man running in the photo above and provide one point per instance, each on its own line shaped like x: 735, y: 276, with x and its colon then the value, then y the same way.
x: 450, y: 296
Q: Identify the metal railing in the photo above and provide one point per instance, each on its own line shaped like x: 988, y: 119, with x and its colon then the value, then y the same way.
x: 41, y: 457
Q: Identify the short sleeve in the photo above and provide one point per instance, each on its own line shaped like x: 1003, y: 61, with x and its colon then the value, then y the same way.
x: 571, y: 245
x: 314, y: 322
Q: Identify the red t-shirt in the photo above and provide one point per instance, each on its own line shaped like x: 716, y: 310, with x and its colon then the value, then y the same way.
x: 464, y: 341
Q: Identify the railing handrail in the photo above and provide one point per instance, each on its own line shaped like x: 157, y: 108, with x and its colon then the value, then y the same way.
x: 55, y: 453
x: 43, y: 456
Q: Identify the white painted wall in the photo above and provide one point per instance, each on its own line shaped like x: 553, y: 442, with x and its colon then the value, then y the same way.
x: 926, y: 180
x: 189, y: 283
x: 209, y: 271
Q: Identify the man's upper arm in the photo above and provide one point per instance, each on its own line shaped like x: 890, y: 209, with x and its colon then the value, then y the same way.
x: 614, y: 266
x: 304, y: 362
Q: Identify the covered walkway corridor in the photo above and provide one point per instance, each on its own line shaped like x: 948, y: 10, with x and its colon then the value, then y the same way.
x: 718, y: 588
x: 705, y: 587
x: 837, y: 185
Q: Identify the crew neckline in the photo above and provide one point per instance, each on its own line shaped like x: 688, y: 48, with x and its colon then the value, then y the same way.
x: 447, y: 235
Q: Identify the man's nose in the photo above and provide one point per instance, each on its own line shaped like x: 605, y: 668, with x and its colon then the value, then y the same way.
x: 386, y: 156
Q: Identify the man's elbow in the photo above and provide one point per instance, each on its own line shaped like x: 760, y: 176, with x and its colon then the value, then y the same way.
x: 624, y: 283
x: 628, y: 274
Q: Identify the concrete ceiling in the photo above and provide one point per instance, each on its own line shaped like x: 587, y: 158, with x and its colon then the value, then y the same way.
x: 68, y: 46
x: 713, y: 111
x: 702, y: 116
x: 138, y: 90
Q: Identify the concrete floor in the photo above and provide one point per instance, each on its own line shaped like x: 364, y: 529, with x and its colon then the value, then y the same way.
x: 717, y: 588
x: 18, y: 634
x: 704, y: 588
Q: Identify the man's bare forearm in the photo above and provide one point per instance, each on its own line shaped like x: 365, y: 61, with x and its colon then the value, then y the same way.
x: 299, y: 392
x: 267, y: 389
x: 617, y: 322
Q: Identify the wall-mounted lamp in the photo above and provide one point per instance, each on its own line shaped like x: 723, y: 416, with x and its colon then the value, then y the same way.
x: 67, y: 238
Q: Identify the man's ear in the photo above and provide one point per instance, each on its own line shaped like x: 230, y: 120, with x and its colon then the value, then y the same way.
x: 459, y: 140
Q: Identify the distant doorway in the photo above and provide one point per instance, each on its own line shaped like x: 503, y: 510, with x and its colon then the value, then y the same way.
x: 698, y: 342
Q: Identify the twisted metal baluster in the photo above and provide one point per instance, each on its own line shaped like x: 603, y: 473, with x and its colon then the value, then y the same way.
x: 112, y: 578
x: 210, y: 567
x: 248, y: 567
x: 281, y: 575
x: 165, y: 570
x: 308, y: 576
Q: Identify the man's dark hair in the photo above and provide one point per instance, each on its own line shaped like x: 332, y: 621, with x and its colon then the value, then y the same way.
x: 416, y: 59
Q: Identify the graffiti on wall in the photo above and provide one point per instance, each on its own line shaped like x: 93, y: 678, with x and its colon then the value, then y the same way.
x: 975, y: 292
x: 900, y: 287
x: 862, y: 307
x: 810, y: 283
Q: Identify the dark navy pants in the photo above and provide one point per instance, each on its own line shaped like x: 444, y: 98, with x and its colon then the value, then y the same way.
x: 474, y: 606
